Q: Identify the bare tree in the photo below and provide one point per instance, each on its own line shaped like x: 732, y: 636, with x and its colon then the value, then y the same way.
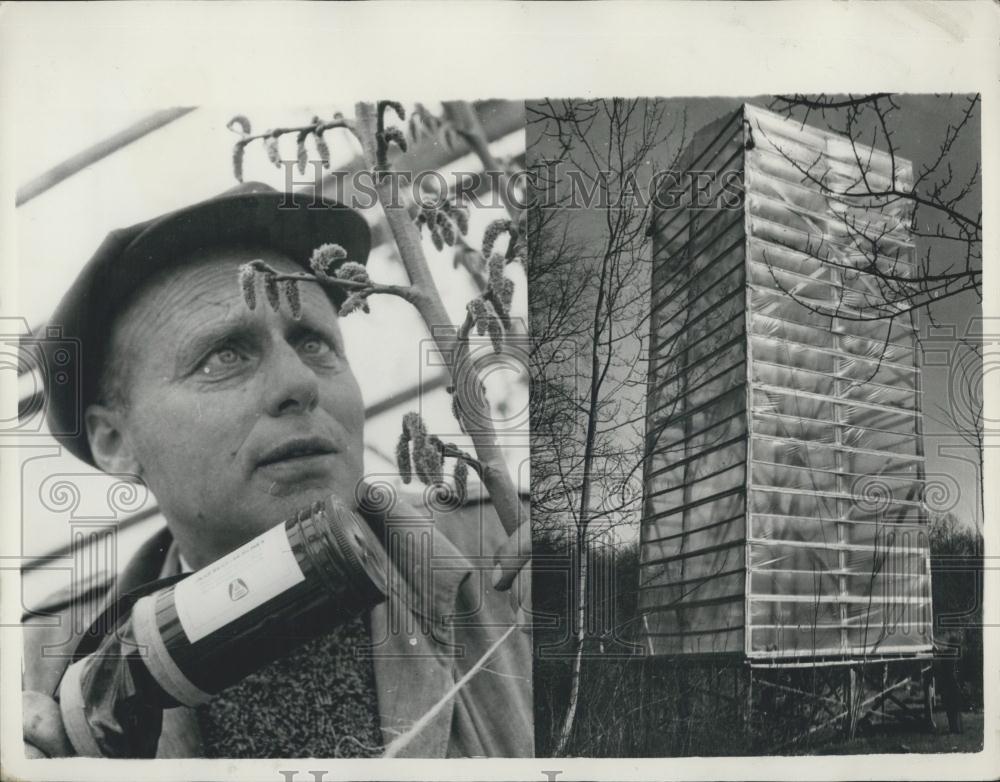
x: 938, y: 203
x: 964, y: 412
x: 589, y: 276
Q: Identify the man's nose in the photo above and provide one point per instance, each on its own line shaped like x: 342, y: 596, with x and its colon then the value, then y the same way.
x: 291, y: 384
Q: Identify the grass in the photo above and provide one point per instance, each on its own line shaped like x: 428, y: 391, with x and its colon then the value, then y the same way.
x: 663, y: 707
x: 899, y: 738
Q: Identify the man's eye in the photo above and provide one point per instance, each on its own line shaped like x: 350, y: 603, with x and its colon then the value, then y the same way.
x: 221, y: 360
x: 314, y: 346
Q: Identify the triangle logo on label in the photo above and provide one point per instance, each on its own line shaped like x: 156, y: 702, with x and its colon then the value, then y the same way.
x: 238, y: 588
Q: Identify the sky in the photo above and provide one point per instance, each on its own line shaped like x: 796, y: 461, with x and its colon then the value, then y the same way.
x: 920, y: 124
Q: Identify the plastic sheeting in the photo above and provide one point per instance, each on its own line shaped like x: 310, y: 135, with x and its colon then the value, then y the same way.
x: 783, y: 501
x: 694, y: 531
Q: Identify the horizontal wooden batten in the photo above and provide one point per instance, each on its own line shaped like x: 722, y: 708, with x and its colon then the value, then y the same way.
x: 757, y: 221
x: 839, y: 495
x: 670, y: 402
x: 768, y: 166
x: 847, y: 599
x: 835, y: 399
x: 825, y: 309
x: 739, y: 265
x: 864, y: 385
x: 737, y: 320
x: 839, y: 424
x: 842, y: 354
x: 837, y: 546
x: 725, y: 134
x: 707, y: 405
x: 700, y: 631
x: 703, y: 501
x: 729, y: 544
x: 833, y: 657
x: 701, y: 454
x: 818, y: 263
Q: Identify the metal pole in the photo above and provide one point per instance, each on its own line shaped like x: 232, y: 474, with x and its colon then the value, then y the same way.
x: 101, y: 149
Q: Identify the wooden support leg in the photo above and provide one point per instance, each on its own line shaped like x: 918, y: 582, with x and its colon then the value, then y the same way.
x: 885, y: 686
x: 852, y: 700
x: 927, y: 682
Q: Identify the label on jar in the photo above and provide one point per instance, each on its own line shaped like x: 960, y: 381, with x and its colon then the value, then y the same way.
x: 232, y: 586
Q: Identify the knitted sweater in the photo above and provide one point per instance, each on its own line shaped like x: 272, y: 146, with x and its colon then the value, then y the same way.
x: 320, y: 701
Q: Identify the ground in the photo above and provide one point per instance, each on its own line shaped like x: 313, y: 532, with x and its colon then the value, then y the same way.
x: 898, y: 739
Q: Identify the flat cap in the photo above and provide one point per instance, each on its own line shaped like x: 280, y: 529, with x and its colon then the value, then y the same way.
x: 249, y: 214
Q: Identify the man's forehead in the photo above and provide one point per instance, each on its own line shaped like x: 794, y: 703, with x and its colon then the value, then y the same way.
x: 205, y: 290
x: 212, y: 264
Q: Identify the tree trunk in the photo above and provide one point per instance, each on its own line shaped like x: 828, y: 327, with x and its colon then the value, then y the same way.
x: 495, y: 474
x: 578, y: 640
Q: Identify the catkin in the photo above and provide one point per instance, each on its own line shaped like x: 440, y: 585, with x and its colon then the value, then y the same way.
x: 403, y: 457
x: 325, y: 256
x: 271, y: 289
x: 294, y: 300
x: 248, y: 283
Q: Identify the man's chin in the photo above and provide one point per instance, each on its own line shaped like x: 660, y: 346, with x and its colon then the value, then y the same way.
x: 267, y: 511
x: 293, y: 495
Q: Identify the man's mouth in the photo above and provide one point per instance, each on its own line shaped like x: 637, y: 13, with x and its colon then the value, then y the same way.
x: 299, y: 450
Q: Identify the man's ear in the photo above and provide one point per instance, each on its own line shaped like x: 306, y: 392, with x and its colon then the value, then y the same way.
x: 111, y: 449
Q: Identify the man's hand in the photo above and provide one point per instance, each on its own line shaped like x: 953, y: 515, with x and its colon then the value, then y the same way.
x: 509, y: 560
x: 44, y: 734
x: 511, y: 557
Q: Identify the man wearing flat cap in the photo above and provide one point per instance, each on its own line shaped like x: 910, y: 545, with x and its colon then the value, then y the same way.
x: 235, y: 419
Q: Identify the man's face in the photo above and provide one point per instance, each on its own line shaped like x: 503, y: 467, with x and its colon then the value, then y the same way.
x: 236, y: 418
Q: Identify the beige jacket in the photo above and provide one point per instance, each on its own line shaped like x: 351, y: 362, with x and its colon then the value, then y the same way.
x: 416, y: 663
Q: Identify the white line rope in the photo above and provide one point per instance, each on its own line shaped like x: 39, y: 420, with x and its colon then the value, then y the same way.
x: 399, y: 743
